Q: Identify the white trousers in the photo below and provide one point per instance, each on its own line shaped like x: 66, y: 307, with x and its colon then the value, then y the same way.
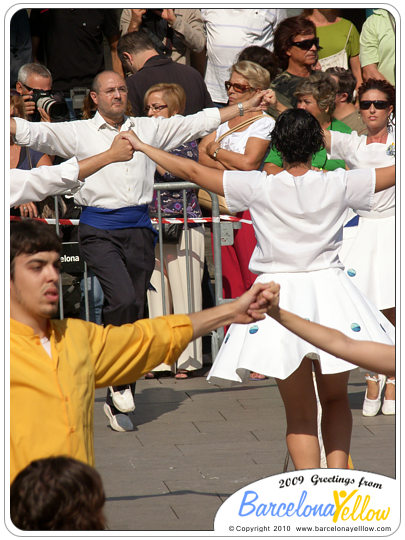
x: 177, y: 284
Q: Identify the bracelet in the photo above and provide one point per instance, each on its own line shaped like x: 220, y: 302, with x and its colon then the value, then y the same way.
x: 214, y: 155
x: 241, y: 109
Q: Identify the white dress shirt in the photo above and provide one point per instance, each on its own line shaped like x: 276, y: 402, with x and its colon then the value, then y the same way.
x: 122, y: 184
x: 41, y: 182
x: 228, y: 32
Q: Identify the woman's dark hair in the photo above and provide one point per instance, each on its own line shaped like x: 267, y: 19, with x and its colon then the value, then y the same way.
x: 297, y: 135
x: 30, y: 236
x: 261, y: 56
x: 285, y: 33
x: 346, y: 82
x: 57, y: 494
x: 378, y: 84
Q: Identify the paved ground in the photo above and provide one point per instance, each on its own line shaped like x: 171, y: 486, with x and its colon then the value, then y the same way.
x: 197, y: 443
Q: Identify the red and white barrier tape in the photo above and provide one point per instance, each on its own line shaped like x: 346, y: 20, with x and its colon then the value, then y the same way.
x: 154, y: 220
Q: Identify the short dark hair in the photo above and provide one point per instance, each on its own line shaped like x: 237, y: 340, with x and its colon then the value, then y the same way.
x: 30, y: 236
x: 378, y: 84
x: 261, y: 56
x: 134, y: 42
x: 57, y: 494
x: 346, y: 81
x: 297, y: 135
x: 285, y: 33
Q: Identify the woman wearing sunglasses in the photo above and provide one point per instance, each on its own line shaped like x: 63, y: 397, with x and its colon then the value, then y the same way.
x: 368, y: 250
x: 296, y: 47
x: 242, y: 148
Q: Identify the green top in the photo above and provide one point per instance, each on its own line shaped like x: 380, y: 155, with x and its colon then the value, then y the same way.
x: 320, y: 159
x: 332, y: 39
x: 377, y: 43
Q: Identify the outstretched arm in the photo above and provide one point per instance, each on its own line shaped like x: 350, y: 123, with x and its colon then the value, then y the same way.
x: 41, y: 182
x: 377, y: 357
x: 246, y: 309
x: 187, y: 169
x: 384, y: 178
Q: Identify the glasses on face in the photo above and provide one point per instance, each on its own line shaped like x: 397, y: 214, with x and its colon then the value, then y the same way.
x: 306, y: 44
x: 378, y: 104
x: 154, y: 108
x: 239, y: 88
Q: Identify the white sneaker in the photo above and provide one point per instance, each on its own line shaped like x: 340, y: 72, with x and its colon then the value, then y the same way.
x: 123, y: 399
x: 118, y: 422
x: 372, y: 406
x: 389, y: 404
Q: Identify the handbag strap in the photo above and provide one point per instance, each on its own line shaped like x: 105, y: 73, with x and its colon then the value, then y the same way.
x: 242, y: 124
x: 348, y: 35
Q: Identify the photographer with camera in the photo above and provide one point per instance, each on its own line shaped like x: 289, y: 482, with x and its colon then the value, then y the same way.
x: 40, y: 102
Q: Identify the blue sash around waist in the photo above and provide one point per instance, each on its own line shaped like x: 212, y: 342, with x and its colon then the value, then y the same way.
x: 129, y: 217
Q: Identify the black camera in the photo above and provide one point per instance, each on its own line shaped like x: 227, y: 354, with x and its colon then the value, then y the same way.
x: 53, y: 104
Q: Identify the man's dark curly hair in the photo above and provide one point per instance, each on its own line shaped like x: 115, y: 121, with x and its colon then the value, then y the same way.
x: 57, y: 494
x: 297, y: 135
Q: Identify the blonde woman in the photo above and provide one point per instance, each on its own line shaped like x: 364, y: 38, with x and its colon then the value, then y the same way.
x: 166, y: 99
x: 244, y: 149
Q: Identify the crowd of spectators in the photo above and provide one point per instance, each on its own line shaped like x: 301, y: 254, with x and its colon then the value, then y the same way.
x: 79, y: 77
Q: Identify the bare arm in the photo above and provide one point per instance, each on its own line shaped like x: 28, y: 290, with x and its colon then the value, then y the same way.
x: 184, y: 168
x: 258, y: 102
x: 371, y: 72
x: 384, y: 178
x: 247, y: 308
x: 250, y: 160
x: 272, y: 168
x: 120, y: 150
x: 377, y: 357
x: 356, y: 69
x: 203, y: 156
x: 116, y: 62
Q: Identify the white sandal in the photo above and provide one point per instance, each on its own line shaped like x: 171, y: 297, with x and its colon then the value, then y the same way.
x: 389, y: 404
x: 372, y: 406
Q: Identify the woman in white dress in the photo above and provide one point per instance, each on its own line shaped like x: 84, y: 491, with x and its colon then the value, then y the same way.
x: 298, y: 217
x: 368, y: 250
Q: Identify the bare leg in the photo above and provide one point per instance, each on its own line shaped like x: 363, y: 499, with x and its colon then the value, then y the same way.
x: 390, y: 388
x: 298, y: 395
x: 336, y: 417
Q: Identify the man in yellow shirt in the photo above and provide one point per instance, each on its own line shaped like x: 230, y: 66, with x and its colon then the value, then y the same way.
x: 55, y: 365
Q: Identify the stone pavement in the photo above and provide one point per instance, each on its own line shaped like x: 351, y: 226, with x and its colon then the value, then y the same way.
x: 197, y: 443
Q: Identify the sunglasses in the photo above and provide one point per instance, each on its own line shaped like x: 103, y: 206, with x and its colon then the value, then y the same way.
x: 306, y: 44
x: 239, y: 88
x: 378, y: 104
x: 155, y: 108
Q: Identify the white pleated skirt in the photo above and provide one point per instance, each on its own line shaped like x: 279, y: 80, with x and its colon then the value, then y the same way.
x: 327, y: 297
x: 368, y: 253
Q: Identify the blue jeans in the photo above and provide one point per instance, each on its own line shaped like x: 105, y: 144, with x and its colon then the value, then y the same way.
x: 96, y: 298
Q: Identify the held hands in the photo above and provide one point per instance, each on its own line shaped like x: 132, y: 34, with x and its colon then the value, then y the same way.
x: 121, y: 149
x: 133, y: 140
x: 253, y: 305
x: 261, y: 101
